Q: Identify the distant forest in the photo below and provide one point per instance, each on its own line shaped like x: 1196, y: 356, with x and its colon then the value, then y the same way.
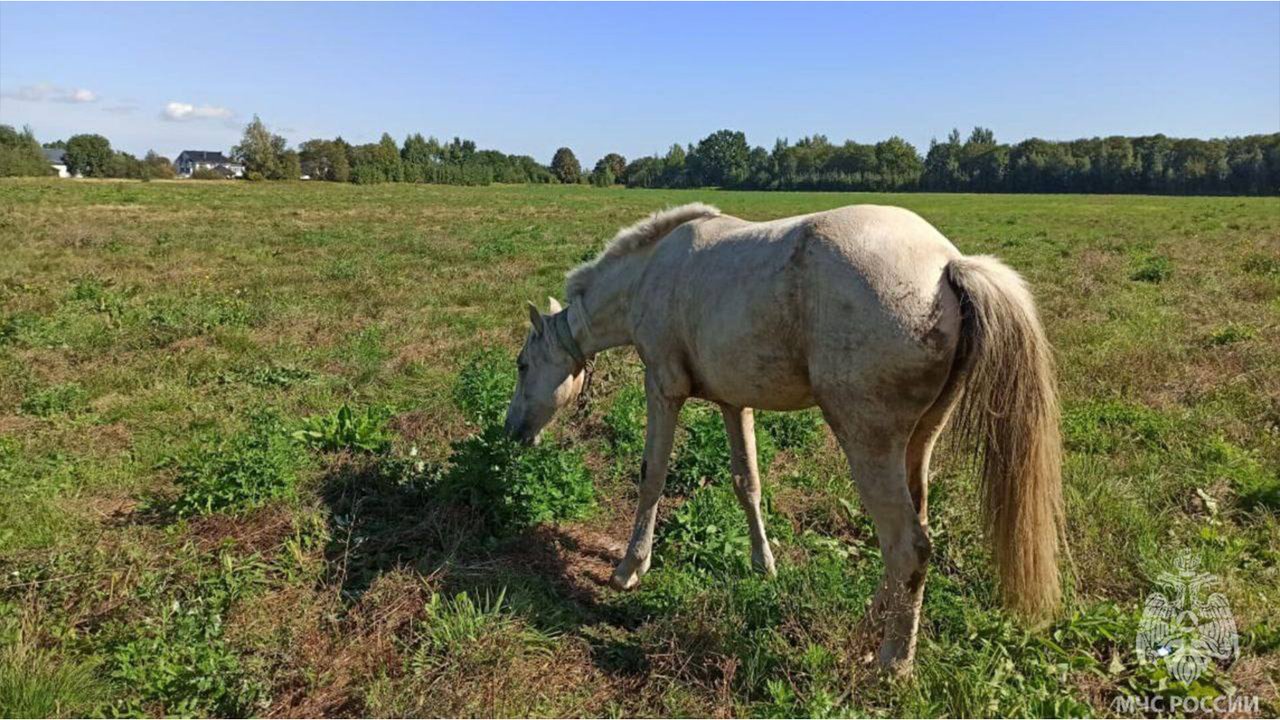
x: 1153, y: 164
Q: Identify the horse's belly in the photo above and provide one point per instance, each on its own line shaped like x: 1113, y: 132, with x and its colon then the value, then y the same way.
x: 747, y: 345
x: 755, y: 380
x: 775, y: 401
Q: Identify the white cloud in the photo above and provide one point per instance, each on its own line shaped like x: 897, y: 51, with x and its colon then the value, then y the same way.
x: 44, y: 92
x: 180, y: 111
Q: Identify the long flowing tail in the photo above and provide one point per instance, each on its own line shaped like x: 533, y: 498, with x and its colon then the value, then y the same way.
x: 1008, y: 416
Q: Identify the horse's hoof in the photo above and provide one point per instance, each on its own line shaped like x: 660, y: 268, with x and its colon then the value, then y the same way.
x: 765, y: 567
x: 622, y: 583
x: 893, y: 662
x: 626, y: 579
x: 900, y: 670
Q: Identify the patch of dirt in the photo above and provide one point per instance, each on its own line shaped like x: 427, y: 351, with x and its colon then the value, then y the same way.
x: 116, y: 207
x: 192, y: 343
x: 1199, y: 375
x: 50, y: 366
x: 579, y: 560
x: 16, y: 424
x: 425, y: 428
x: 113, y: 507
x: 1207, y: 502
x: 80, y: 235
x: 1099, y: 692
x: 422, y: 353
x: 335, y: 660
x: 260, y: 531
x: 315, y: 332
x: 1257, y: 676
x: 110, y: 439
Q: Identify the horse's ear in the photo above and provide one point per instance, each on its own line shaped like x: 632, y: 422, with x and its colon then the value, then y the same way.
x: 555, y: 305
x: 535, y: 318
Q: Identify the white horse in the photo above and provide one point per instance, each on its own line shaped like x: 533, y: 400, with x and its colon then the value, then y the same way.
x: 867, y: 312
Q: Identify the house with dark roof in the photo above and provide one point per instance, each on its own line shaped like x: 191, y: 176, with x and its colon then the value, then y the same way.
x: 57, y: 161
x: 191, y: 160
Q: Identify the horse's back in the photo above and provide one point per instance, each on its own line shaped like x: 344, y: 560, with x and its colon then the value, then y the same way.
x: 755, y: 310
x: 884, y: 320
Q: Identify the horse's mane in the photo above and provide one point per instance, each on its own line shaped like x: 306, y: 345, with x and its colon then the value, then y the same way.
x: 635, y: 237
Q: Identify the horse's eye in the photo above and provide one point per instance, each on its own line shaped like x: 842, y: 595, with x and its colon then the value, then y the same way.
x: 522, y: 366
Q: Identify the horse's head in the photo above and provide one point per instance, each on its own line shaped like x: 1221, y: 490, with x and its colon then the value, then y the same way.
x: 550, y: 374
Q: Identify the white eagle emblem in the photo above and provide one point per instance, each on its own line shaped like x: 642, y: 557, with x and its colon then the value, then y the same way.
x: 1184, y: 628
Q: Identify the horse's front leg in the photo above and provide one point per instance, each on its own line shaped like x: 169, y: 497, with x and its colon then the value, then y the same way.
x: 659, y: 436
x: 739, y: 423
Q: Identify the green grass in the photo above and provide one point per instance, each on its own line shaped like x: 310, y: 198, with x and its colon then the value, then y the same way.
x: 248, y: 466
x: 484, y: 387
x: 177, y: 659
x: 56, y: 399
x: 702, y: 452
x: 513, y: 487
x: 345, y: 429
x: 36, y: 683
x: 244, y: 471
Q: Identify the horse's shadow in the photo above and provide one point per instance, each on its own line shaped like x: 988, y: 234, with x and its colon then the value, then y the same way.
x: 384, y: 519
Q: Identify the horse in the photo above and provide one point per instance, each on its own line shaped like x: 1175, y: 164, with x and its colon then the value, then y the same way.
x: 867, y: 312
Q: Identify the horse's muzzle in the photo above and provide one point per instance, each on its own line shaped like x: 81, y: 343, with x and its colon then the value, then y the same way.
x: 520, y: 432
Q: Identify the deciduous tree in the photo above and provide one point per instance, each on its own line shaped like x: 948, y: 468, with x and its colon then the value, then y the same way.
x: 721, y: 159
x: 20, y: 154
x: 157, y: 167
x: 565, y: 166
x: 88, y: 155
x: 263, y: 153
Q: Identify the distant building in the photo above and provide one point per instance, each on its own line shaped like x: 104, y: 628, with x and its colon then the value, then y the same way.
x: 192, y: 160
x: 54, y: 157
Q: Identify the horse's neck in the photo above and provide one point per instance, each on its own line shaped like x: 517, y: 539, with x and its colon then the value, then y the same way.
x: 600, y: 321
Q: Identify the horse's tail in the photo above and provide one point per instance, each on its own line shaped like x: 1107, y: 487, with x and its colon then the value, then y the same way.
x: 1008, y: 417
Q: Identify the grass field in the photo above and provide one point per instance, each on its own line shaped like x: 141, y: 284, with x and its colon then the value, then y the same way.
x: 192, y: 524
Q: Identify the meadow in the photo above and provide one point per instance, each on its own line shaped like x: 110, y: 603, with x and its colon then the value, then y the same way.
x: 247, y: 466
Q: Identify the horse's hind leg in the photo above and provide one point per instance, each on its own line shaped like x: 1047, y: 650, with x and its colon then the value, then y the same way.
x: 919, y: 453
x: 877, y: 458
x: 923, y: 438
x: 739, y: 423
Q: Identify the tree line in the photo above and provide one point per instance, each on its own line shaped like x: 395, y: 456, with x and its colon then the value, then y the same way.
x: 1153, y: 164
x: 417, y: 160
x: 85, y: 155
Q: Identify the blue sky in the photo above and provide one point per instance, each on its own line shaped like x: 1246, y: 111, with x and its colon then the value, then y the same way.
x: 633, y: 78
